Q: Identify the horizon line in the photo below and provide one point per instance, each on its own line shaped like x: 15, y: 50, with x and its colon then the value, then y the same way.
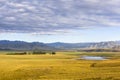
x: 61, y: 42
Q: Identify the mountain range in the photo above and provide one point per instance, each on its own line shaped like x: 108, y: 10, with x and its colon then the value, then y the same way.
x: 90, y: 45
x: 21, y: 45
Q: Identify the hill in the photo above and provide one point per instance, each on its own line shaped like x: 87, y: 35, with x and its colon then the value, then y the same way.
x: 21, y: 45
x: 92, y: 45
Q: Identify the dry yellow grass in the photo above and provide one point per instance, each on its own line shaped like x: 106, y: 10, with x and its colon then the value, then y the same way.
x: 56, y: 67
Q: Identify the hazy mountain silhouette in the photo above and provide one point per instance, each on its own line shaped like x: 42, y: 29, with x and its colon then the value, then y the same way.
x: 21, y: 45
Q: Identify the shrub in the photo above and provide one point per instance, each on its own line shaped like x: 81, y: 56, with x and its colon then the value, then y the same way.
x: 18, y: 53
x: 38, y: 52
x: 52, y: 53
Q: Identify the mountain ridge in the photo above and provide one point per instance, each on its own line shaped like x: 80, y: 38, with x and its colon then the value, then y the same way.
x: 22, y: 45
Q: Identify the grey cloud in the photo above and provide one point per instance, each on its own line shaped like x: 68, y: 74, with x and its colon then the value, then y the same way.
x: 57, y: 16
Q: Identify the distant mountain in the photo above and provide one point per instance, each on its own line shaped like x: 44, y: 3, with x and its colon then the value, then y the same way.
x: 98, y: 45
x: 21, y: 45
x: 69, y: 45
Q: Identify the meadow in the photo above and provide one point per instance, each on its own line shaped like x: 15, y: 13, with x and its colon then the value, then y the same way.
x: 62, y: 66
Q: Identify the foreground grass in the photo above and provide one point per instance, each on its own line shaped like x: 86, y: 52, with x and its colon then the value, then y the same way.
x: 62, y: 66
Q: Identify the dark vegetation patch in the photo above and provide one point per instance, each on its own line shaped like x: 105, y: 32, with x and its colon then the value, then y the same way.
x: 32, y: 53
x: 107, y: 64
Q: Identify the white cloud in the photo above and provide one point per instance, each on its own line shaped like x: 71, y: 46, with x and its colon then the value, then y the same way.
x: 10, y: 18
x: 57, y: 16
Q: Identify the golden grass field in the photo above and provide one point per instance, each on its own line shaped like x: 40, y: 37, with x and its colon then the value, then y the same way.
x: 62, y: 66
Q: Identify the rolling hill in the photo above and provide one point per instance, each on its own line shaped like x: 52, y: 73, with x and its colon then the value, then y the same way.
x: 21, y: 45
x: 98, y: 45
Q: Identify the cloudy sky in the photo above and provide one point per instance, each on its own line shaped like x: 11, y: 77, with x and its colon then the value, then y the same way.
x: 60, y: 20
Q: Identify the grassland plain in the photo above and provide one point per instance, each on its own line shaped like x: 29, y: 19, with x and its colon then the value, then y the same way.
x: 62, y: 66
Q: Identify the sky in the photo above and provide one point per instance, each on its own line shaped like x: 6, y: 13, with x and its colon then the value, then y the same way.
x: 70, y: 21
